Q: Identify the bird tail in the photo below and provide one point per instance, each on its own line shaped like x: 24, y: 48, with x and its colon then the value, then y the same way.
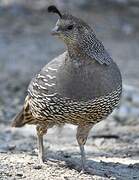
x: 19, y: 119
x: 24, y: 116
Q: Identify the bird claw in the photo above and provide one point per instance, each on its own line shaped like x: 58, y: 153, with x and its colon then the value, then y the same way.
x: 41, y: 163
x: 83, y: 171
x: 41, y: 160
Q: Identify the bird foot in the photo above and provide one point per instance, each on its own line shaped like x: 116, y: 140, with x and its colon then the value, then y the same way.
x: 40, y: 164
x: 42, y: 160
x: 83, y: 171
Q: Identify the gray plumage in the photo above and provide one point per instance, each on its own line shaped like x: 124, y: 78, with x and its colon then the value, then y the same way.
x: 81, y: 87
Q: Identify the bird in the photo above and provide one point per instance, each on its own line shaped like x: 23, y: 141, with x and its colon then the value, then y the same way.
x: 82, y: 86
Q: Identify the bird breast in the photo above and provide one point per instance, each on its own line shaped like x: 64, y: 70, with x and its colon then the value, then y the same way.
x: 87, y: 81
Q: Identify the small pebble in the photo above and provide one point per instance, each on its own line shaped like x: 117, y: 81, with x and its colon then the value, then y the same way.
x: 11, y: 147
x: 37, y: 167
x: 67, y: 155
x: 19, y: 174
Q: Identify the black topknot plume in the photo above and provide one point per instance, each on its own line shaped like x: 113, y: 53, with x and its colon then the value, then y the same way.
x: 54, y: 10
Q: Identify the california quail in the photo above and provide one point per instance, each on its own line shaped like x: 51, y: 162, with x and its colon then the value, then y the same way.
x: 80, y: 87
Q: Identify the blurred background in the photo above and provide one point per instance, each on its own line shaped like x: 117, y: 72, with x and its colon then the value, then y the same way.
x: 26, y: 45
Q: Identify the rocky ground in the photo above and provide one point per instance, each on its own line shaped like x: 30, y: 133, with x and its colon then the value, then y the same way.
x: 113, y: 145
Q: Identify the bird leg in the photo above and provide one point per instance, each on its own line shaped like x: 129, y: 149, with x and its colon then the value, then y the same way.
x: 40, y: 132
x: 40, y: 149
x: 81, y: 136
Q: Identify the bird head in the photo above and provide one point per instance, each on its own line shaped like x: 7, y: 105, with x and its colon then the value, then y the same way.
x: 69, y: 28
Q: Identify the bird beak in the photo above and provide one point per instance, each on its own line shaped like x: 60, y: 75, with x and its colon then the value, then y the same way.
x: 55, y: 31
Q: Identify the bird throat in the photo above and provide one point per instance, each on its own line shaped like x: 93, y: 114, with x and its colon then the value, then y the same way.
x: 76, y: 53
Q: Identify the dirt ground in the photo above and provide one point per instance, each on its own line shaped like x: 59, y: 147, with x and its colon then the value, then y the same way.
x: 25, y: 46
x: 112, y: 153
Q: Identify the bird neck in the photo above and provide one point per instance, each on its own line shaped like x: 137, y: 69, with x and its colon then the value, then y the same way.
x: 83, y: 47
x: 76, y: 53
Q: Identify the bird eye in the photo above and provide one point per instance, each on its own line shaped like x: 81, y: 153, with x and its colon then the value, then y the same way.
x: 70, y: 27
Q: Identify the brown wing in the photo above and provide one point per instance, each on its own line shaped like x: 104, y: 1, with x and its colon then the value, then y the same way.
x: 43, y: 88
x: 45, y: 81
